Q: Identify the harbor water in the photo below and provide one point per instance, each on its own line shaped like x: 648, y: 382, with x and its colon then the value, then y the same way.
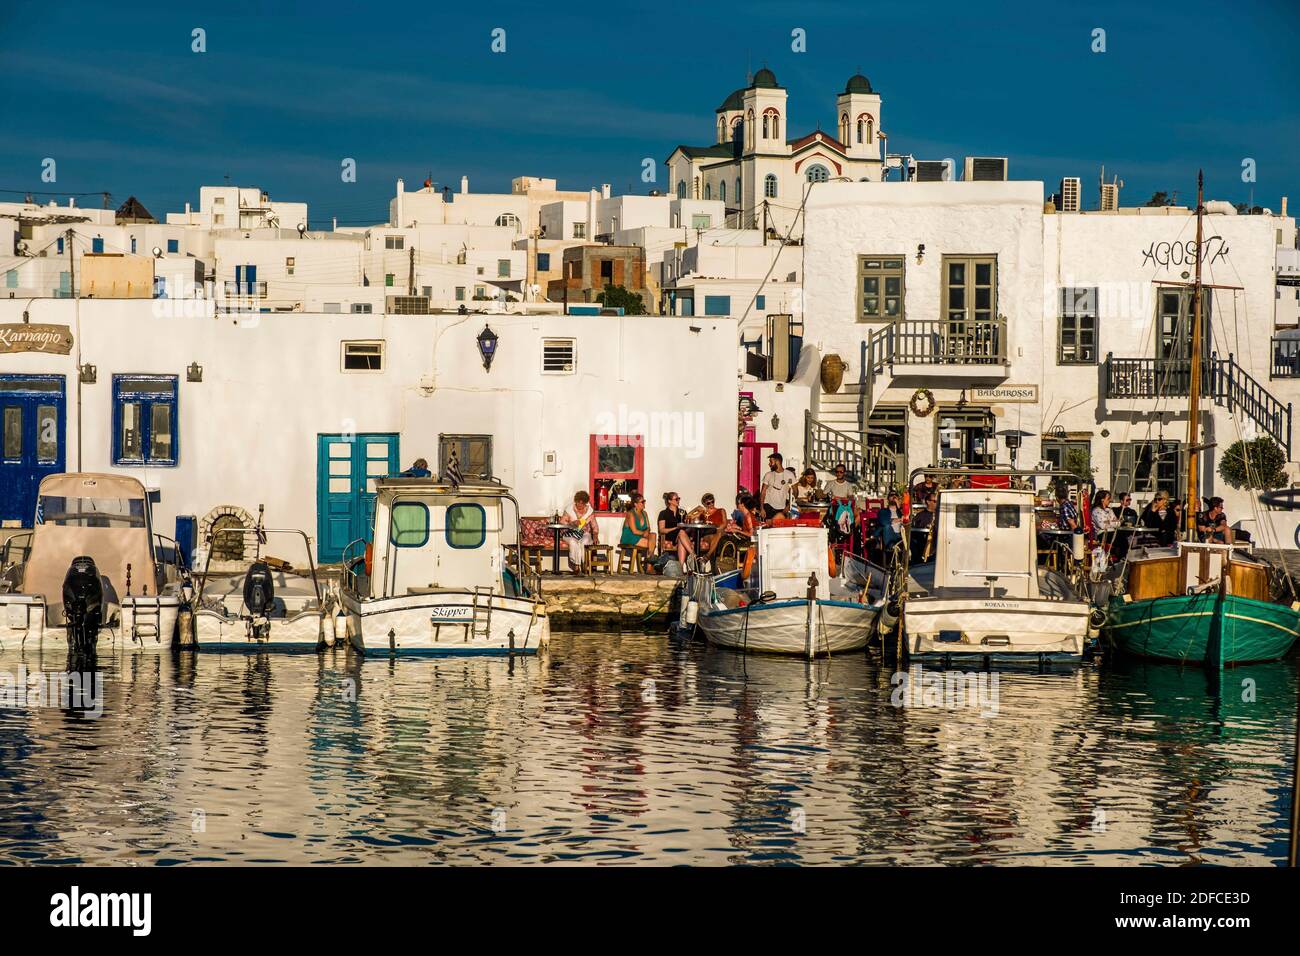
x: 643, y: 749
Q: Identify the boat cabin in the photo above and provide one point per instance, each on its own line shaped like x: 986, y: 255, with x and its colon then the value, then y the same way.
x: 430, y: 535
x: 987, y: 540
x: 788, y: 556
x: 1188, y: 567
x: 103, y: 516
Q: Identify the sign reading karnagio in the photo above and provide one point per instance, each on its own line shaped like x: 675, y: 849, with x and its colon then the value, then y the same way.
x: 30, y: 337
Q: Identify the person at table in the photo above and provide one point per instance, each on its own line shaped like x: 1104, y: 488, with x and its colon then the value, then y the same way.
x: 419, y: 469
x: 1212, y: 525
x: 1067, y: 515
x: 839, y: 487
x: 636, y: 529
x: 708, y: 513
x: 582, y: 529
x: 774, y: 490
x: 889, y: 524
x: 1155, y: 518
x: 670, y: 536
x: 1128, y: 518
x: 807, y: 490
x: 922, y: 528
x: 922, y: 490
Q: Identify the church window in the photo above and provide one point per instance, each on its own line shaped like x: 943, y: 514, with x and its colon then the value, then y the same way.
x: 769, y: 186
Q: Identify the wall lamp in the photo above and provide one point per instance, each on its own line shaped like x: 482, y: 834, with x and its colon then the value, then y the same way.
x: 194, y: 373
x: 89, y: 374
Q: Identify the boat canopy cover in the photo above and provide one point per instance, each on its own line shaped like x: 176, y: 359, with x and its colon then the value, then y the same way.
x: 103, y: 516
x: 788, y: 556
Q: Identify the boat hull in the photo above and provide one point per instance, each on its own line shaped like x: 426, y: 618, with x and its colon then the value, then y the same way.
x: 143, y: 623
x: 995, y: 629
x: 780, y: 627
x: 442, y: 623
x: 1207, y: 629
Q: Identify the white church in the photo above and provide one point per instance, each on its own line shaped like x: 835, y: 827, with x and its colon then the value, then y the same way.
x: 760, y: 172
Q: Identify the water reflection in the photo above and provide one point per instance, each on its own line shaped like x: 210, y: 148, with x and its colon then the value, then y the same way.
x: 635, y: 748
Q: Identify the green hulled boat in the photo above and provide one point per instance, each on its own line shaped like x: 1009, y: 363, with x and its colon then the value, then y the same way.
x: 1210, y: 628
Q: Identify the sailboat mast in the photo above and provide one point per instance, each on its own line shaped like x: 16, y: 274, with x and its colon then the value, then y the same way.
x: 1191, y: 506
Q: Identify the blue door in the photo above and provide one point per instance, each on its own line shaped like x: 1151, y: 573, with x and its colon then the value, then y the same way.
x: 32, y: 416
x: 346, y: 469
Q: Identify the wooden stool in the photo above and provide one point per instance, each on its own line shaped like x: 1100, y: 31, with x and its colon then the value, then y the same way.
x: 597, y: 558
x: 533, y: 558
x: 630, y: 560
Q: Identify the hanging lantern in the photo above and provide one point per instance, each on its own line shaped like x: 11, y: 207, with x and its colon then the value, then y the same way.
x: 487, y: 346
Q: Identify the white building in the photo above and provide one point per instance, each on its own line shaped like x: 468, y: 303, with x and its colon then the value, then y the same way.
x: 300, y: 411
x: 760, y: 172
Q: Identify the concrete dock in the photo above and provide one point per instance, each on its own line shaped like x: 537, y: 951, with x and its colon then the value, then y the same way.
x: 619, y: 601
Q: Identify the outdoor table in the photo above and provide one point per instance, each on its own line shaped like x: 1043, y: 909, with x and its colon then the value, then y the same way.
x: 696, y: 530
x: 558, y: 528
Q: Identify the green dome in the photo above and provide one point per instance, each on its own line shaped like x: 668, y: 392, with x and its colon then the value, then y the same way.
x: 858, y: 84
x: 764, y: 79
x: 733, y: 102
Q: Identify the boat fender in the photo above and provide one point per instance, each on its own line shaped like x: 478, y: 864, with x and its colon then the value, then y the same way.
x: 370, y: 556
x: 692, y: 612
x: 888, y: 618
x: 830, y: 560
x: 1077, y: 545
x: 1096, y: 621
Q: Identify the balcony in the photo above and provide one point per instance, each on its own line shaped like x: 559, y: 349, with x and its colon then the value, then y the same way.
x: 948, y: 342
x: 1285, y: 357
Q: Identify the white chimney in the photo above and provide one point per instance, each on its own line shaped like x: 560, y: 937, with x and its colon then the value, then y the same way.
x: 1283, y: 207
x: 401, y: 192
x: 72, y: 202
x: 464, y: 184
x: 604, y: 190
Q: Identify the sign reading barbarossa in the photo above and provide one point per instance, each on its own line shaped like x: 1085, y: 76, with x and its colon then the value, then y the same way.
x: 30, y: 337
x: 1006, y: 393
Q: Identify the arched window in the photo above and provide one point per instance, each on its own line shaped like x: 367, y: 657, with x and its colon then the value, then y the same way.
x: 859, y: 131
x: 771, y: 124
x: 817, y: 173
x: 681, y: 189
x: 722, y: 190
x: 844, y: 127
x: 738, y: 191
x: 866, y: 127
x: 769, y: 186
x: 722, y: 130
x: 765, y: 132
x: 749, y: 128
x: 508, y: 219
x: 708, y: 190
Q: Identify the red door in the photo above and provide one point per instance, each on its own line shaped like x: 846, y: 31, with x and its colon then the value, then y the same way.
x: 750, y: 461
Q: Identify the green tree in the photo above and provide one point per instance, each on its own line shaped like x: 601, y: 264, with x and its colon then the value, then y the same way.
x: 1259, y: 464
x: 1160, y: 198
x: 615, y: 297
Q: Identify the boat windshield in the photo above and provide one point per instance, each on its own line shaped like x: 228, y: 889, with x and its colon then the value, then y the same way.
x: 91, y: 512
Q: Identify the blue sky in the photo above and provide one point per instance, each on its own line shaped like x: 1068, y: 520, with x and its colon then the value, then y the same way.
x: 287, y: 90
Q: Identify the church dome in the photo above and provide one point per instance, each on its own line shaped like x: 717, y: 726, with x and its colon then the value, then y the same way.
x: 735, y: 101
x: 764, y: 79
x: 858, y: 84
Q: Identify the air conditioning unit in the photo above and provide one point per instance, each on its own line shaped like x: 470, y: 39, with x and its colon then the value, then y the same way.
x: 988, y: 169
x: 931, y: 171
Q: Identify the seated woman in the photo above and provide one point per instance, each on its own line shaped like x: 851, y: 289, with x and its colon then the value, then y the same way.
x: 583, y: 529
x: 807, y: 490
x: 636, y: 529
x: 669, y: 519
x: 1106, y: 525
x: 709, y: 513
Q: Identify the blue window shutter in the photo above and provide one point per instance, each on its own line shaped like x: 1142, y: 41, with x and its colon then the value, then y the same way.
x: 173, y: 245
x: 760, y: 302
x: 133, y: 245
x: 97, y: 245
x: 60, y: 246
x: 543, y: 261
x: 717, y: 305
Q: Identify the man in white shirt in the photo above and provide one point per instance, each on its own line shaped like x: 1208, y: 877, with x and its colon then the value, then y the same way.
x: 774, y: 490
x: 839, y: 487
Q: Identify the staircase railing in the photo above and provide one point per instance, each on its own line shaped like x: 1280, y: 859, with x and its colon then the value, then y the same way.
x: 1223, y: 380
x: 877, y: 351
x: 873, y: 468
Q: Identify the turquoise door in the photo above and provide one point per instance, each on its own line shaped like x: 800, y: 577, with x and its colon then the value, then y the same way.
x: 32, y: 416
x: 346, y: 469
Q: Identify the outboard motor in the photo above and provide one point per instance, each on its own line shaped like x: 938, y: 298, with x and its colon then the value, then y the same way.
x: 259, y: 597
x: 83, y: 604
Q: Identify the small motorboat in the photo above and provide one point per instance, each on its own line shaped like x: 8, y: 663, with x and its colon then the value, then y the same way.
x: 984, y: 597
x: 435, y: 579
x: 87, y: 573
x: 259, y: 601
x: 792, y: 603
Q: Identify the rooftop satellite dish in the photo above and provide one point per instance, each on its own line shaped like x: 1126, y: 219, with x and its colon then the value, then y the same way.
x: 157, y: 252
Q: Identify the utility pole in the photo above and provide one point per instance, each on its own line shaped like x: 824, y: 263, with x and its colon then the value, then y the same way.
x: 411, y: 281
x: 72, y: 264
x: 764, y: 222
x: 1194, y: 409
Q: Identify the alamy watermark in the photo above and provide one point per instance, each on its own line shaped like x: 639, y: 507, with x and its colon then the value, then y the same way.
x: 67, y: 690
x: 949, y: 690
x: 636, y: 428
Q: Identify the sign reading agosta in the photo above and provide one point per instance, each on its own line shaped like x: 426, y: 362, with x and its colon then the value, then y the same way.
x: 31, y: 337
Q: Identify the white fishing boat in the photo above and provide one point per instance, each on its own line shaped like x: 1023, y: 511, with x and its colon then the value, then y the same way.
x: 87, y: 575
x: 984, y: 597
x: 435, y: 579
x: 252, y: 601
x: 792, y: 605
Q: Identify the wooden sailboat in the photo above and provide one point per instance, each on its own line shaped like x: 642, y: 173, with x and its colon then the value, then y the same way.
x: 1195, y: 603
